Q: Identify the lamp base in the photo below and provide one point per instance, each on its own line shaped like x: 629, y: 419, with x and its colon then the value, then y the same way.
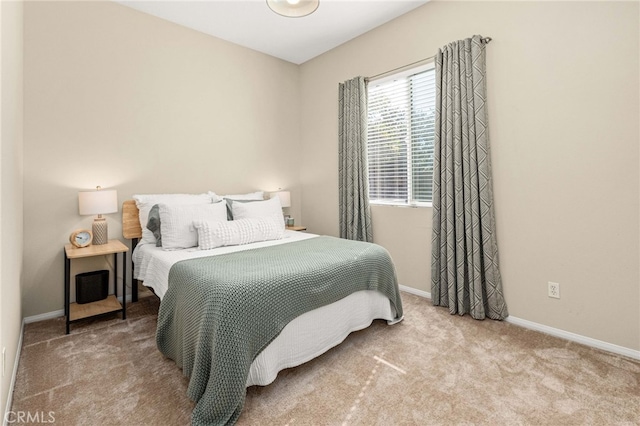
x: 100, y: 231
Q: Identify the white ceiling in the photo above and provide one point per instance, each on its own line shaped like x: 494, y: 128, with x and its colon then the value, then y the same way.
x: 252, y: 24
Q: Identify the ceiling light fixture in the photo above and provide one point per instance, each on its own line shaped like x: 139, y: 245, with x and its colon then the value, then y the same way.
x: 293, y: 8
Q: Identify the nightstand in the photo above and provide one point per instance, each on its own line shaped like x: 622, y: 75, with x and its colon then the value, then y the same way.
x: 296, y: 228
x: 74, y: 311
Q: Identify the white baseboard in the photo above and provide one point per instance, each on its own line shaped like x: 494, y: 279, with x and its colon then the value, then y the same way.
x: 45, y: 316
x: 567, y: 335
x: 415, y: 291
x: 14, y: 374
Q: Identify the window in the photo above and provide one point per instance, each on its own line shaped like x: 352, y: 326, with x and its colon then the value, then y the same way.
x: 400, y: 135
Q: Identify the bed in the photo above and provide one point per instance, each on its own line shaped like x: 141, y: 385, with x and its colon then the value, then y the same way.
x: 210, y: 312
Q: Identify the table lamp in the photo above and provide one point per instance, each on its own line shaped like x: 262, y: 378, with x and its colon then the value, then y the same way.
x: 285, y: 198
x: 98, y: 202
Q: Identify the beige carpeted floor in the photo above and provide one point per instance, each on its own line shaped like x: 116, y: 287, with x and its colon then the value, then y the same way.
x: 431, y: 369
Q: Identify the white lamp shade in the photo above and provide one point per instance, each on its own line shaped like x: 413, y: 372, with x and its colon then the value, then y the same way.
x: 285, y: 198
x: 293, y: 8
x: 98, y: 202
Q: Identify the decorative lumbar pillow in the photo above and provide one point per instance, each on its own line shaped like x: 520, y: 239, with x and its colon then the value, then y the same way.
x: 176, y: 222
x: 237, y: 232
x: 145, y: 202
x: 268, y: 208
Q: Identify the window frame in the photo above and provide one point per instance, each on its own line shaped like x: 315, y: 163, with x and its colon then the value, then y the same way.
x: 384, y: 79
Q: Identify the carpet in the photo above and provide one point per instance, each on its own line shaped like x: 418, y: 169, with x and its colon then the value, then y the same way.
x: 431, y: 369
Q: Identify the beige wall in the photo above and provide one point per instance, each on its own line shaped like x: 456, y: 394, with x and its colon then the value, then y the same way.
x: 11, y: 137
x: 564, y: 121
x: 169, y: 110
x: 117, y: 98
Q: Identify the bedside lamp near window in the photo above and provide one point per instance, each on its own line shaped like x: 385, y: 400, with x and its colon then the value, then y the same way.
x: 285, y: 201
x: 285, y: 198
x: 98, y: 202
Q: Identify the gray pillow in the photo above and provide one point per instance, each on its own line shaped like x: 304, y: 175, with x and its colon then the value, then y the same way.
x: 153, y: 224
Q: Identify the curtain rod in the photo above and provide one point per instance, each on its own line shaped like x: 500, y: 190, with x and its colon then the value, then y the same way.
x: 485, y: 40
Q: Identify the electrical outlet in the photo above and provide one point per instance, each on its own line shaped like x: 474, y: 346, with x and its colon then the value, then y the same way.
x: 554, y: 290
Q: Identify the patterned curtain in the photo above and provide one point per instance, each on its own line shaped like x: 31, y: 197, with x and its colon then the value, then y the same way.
x: 464, y: 260
x: 355, y: 215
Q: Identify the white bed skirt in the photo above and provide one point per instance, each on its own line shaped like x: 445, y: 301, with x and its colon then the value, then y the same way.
x: 304, y: 338
x: 317, y: 331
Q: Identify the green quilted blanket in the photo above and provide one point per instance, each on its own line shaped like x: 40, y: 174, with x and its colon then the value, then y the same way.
x: 221, y: 311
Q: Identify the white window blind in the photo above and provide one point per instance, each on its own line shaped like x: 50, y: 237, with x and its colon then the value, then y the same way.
x: 401, y: 114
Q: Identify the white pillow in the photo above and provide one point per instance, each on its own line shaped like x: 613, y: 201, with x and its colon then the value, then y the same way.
x: 237, y: 232
x: 267, y: 208
x: 145, y: 202
x: 258, y: 195
x: 214, y: 197
x: 176, y: 222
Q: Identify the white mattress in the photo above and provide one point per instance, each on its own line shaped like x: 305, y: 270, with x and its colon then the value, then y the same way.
x: 152, y: 264
x: 304, y: 338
